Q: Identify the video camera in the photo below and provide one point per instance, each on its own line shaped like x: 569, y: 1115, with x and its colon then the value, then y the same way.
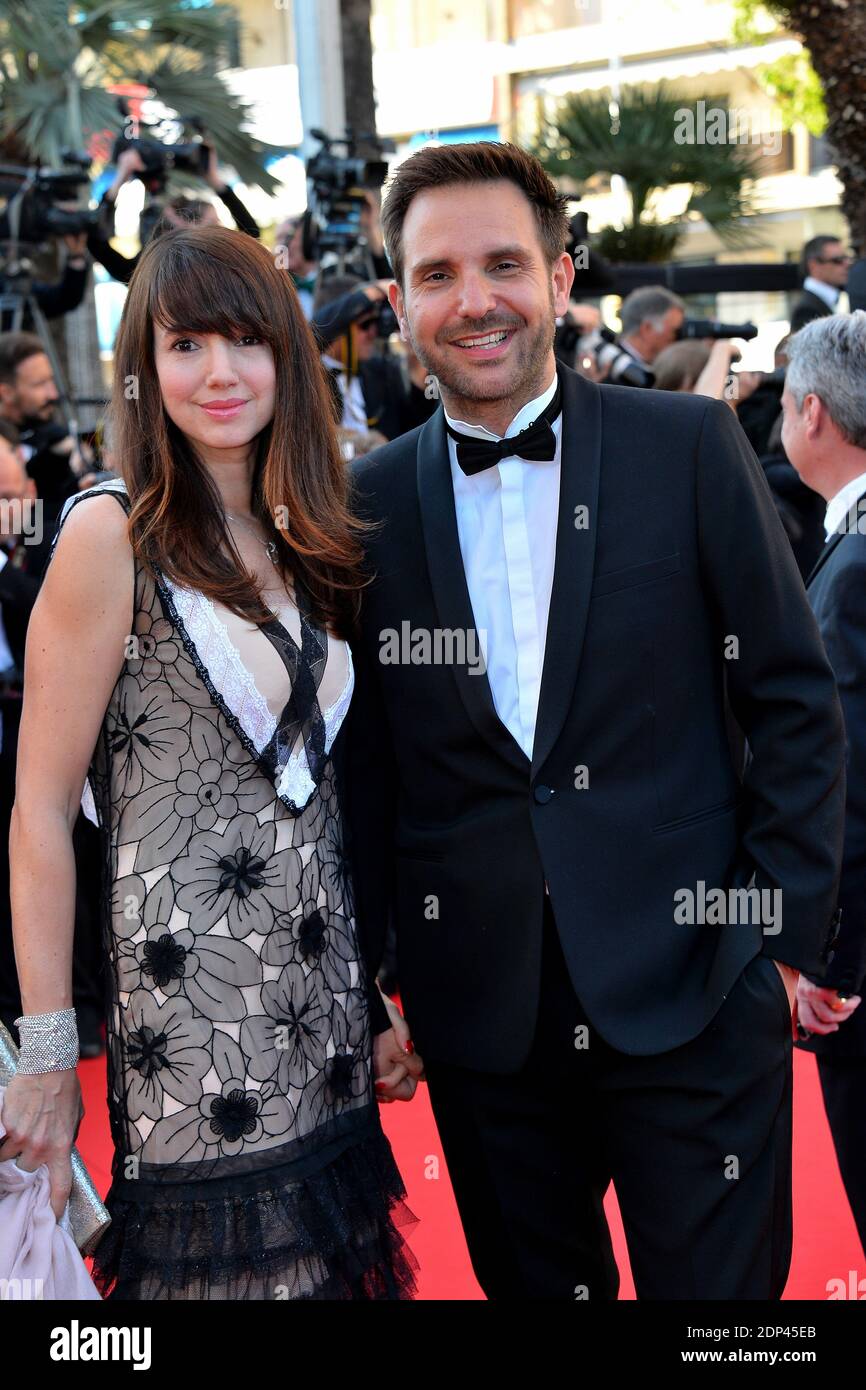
x: 32, y: 213
x: 160, y: 157
x: 337, y: 185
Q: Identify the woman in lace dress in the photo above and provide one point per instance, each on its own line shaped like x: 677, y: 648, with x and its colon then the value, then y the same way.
x: 187, y: 665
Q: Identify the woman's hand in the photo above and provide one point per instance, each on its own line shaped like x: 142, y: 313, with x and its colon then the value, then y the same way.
x: 397, y: 1068
x: 41, y: 1116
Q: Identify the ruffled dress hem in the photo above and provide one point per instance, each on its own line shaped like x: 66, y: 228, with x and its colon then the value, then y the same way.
x: 332, y: 1234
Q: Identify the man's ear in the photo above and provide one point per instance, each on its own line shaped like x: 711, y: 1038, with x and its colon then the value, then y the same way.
x: 814, y: 415
x: 563, y: 279
x: 395, y: 299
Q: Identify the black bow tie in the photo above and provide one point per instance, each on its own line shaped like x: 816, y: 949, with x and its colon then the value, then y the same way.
x: 537, y: 442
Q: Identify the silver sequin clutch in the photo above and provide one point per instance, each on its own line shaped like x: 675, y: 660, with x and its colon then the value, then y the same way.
x: 88, y: 1216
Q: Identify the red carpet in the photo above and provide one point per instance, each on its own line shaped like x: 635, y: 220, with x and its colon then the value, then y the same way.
x: 825, y: 1239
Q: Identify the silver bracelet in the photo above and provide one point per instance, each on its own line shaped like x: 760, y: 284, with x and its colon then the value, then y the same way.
x: 49, y: 1042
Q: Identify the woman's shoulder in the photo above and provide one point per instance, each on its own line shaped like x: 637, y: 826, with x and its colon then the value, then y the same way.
x: 94, y: 513
x: 91, y: 547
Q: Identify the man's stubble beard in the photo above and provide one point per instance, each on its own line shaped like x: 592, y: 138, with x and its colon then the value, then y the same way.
x: 469, y: 386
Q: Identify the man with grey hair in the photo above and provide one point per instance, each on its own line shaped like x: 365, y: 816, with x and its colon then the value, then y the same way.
x: 824, y: 435
x: 651, y: 318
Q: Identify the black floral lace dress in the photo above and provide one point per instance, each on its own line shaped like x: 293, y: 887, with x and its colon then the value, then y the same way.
x: 249, y: 1158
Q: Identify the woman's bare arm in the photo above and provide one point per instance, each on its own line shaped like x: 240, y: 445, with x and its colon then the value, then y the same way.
x: 76, y: 642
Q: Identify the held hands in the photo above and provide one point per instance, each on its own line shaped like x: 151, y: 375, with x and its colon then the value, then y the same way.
x: 41, y: 1116
x: 396, y: 1071
x: 821, y: 1010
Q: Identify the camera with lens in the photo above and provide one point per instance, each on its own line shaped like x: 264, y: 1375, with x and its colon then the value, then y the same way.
x: 191, y: 157
x: 712, y: 328
x: 337, y: 189
x: 33, y: 196
x: 160, y: 157
x: 622, y: 370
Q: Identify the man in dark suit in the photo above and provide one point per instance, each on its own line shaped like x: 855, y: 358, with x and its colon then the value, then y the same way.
x: 824, y: 266
x: 824, y: 434
x: 539, y: 780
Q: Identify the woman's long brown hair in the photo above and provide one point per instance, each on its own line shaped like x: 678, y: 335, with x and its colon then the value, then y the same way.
x: 214, y: 280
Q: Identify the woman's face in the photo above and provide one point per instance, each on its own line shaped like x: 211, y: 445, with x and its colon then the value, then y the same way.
x: 218, y: 391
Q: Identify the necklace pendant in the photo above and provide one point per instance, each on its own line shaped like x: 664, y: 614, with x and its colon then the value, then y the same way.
x: 272, y: 552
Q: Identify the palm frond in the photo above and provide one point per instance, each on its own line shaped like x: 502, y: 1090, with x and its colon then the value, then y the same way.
x: 638, y: 139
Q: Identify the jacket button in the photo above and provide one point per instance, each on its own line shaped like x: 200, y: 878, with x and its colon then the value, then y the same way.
x: 543, y: 794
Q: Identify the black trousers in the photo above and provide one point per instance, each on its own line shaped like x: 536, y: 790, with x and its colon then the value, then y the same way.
x: 843, y: 1083
x: 697, y: 1142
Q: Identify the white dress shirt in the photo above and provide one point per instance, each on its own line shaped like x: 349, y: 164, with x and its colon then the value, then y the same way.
x: 506, y: 522
x: 828, y: 293
x: 354, y: 405
x: 839, y: 506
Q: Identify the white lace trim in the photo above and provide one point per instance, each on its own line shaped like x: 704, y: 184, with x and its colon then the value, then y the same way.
x: 224, y: 666
x: 237, y: 687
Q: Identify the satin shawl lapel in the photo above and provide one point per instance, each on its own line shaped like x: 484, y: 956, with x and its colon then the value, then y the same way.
x: 575, y: 558
x: 851, y: 524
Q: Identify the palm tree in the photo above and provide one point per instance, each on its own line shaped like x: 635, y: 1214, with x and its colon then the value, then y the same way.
x: 358, y: 67
x: 636, y: 138
x: 58, y: 64
x: 835, y: 35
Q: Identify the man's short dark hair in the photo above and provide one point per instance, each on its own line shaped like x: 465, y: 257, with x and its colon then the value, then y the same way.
x: 483, y: 161
x: 814, y: 249
x: 332, y: 287
x: 15, y: 348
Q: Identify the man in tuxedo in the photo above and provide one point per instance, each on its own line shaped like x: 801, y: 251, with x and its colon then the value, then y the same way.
x: 824, y: 434
x: 824, y: 265
x: 566, y: 578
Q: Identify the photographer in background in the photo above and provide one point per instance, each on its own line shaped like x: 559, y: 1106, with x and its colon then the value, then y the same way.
x: 28, y: 400
x: 289, y: 254
x: 370, y: 390
x: 651, y: 319
x: 55, y: 299
x: 177, y: 212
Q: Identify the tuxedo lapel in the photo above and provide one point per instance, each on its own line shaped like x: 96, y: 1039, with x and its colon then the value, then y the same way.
x: 851, y: 524
x: 448, y: 581
x: 575, y: 558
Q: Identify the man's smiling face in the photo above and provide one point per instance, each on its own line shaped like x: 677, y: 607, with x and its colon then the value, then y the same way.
x: 479, y: 300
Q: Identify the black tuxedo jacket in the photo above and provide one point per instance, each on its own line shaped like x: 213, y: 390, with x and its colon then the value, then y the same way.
x: 808, y: 307
x: 668, y: 545
x: 837, y: 593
